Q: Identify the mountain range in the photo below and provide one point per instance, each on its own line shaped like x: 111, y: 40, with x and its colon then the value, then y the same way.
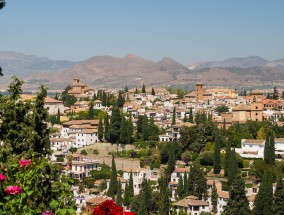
x: 132, y: 70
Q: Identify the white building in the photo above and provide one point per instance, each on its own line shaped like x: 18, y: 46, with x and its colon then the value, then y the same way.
x: 191, y: 205
x: 53, y: 105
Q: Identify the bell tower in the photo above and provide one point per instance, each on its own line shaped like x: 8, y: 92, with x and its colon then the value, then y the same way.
x: 256, y: 105
x: 199, y: 91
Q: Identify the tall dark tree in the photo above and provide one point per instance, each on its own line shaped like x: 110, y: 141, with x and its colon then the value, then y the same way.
x: 226, y: 161
x: 185, y: 182
x: 126, y: 198
x: 145, y: 128
x: 112, y: 190
x: 238, y: 202
x: 217, y: 159
x: 171, y: 162
x: 278, y: 200
x: 139, y: 126
x: 123, y: 134
x: 100, y: 130
x: 120, y: 100
x: 2, y: 4
x: 91, y: 111
x: 214, y: 198
x: 190, y: 118
x: 126, y: 89
x: 275, y: 95
x: 115, y: 122
x: 143, y: 88
x: 153, y: 130
x: 264, y: 198
x: 197, y: 183
x: 129, y: 130
x: 269, y: 148
x: 174, y: 116
x: 119, y: 199
x: 104, y: 99
x: 164, y: 202
x: 232, y: 167
x: 131, y: 185
x: 180, y: 188
x: 136, y: 91
x: 153, y: 92
x: 58, y: 117
x: 106, y: 133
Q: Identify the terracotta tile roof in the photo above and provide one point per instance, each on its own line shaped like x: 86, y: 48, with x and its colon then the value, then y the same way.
x: 241, y: 107
x: 191, y: 201
x: 96, y: 200
x: 81, y: 122
x: 181, y: 170
x: 48, y: 99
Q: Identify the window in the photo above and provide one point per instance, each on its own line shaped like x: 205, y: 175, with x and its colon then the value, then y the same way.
x: 256, y: 107
x: 256, y: 114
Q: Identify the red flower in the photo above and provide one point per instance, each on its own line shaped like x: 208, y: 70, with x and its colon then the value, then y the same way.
x: 109, y: 207
x: 24, y: 163
x: 13, y: 190
x: 2, y: 178
x: 47, y: 213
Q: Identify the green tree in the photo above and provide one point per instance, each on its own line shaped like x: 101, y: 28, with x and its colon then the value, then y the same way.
x: 146, y: 196
x: 68, y: 100
x: 153, y: 130
x: 171, y: 162
x: 131, y: 185
x: 275, y: 95
x: 123, y: 138
x: 91, y: 111
x: 106, y: 123
x: 269, y: 148
x: 197, y: 183
x: 143, y: 88
x: 238, y: 202
x: 112, y: 190
x: 185, y: 182
x: 185, y: 156
x: 127, y: 198
x: 278, y: 200
x: 264, y: 198
x: 136, y: 91
x: 129, y: 130
x: 115, y: 122
x: 174, y: 116
x: 180, y: 188
x: 214, y: 198
x: 126, y: 89
x: 221, y: 109
x: 232, y: 167
x: 120, y: 100
x: 226, y: 160
x: 58, y: 117
x: 145, y: 129
x: 261, y: 135
x: 190, y: 118
x: 119, y: 199
x: 84, y: 152
x: 153, y: 92
x: 217, y: 160
x: 100, y: 130
x: 164, y: 202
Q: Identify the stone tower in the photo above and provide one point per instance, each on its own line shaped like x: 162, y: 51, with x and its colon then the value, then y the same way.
x: 199, y: 91
x: 256, y: 105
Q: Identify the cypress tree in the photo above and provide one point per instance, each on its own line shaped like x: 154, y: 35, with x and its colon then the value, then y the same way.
x: 238, y: 202
x: 91, y: 112
x: 190, y: 118
x: 129, y: 130
x: 232, y: 167
x: 272, y: 148
x: 58, y: 117
x: 224, y: 124
x: 120, y: 99
x: 139, y: 126
x: 123, y: 136
x: 106, y: 123
x: 275, y: 95
x: 226, y: 161
x: 146, y: 197
x: 214, y: 198
x: 153, y: 92
x: 153, y: 130
x: 171, y: 162
x: 217, y: 160
x: 174, y: 116
x: 136, y: 91
x: 131, y: 187
x: 145, y: 130
x: 112, y: 190
x: 164, y: 203
x: 180, y: 188
x: 104, y: 99
x: 127, y: 198
x: 185, y: 182
x: 264, y: 198
x: 278, y: 200
x: 143, y: 89
x: 115, y: 122
x: 197, y: 183
x: 100, y: 130
x: 119, y: 199
x: 269, y: 148
x: 185, y: 118
x: 126, y: 89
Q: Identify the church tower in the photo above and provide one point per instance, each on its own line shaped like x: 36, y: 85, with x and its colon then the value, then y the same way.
x: 256, y: 105
x: 199, y: 91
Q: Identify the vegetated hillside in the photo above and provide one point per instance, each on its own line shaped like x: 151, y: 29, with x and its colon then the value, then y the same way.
x: 21, y: 65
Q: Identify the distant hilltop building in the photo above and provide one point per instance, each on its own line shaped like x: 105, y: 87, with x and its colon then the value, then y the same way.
x: 202, y: 94
x: 80, y: 90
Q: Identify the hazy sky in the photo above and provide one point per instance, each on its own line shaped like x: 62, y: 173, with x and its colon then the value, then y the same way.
x: 186, y: 30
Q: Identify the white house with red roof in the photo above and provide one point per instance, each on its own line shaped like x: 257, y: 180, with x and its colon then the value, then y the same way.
x: 53, y: 105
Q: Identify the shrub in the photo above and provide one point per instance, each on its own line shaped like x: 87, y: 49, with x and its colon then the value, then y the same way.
x: 95, y: 151
x: 83, y: 152
x: 206, y: 158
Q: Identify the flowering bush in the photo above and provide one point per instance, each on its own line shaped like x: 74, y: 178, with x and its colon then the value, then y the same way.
x: 34, y: 186
x: 109, y: 207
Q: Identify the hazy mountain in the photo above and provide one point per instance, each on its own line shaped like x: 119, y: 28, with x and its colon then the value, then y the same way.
x: 21, y: 65
x: 247, y: 62
x: 108, y: 71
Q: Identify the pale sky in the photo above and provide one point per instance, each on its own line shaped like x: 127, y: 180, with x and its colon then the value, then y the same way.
x: 186, y: 30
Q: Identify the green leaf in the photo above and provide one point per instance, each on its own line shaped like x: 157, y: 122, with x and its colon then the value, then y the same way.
x: 23, y: 195
x: 63, y: 211
x: 54, y: 204
x: 29, y: 192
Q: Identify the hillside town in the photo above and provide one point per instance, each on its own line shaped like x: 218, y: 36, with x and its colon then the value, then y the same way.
x: 188, y: 146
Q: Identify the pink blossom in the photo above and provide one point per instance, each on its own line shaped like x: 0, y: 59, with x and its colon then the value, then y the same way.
x: 47, y: 213
x: 13, y: 190
x: 24, y: 163
x: 2, y: 178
